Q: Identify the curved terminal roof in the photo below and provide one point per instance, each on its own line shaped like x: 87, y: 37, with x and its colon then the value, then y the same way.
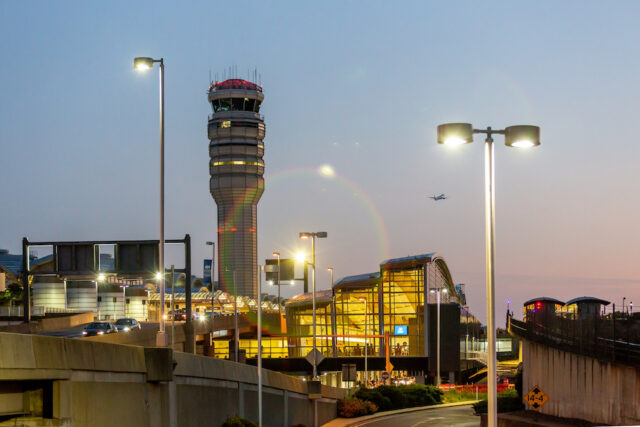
x: 543, y: 299
x: 235, y: 84
x: 418, y: 260
x: 587, y: 299
x: 409, y: 261
x: 359, y: 281
x: 302, y: 300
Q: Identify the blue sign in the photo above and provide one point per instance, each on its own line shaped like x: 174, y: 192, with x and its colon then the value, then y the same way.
x: 206, y: 273
x: 400, y: 330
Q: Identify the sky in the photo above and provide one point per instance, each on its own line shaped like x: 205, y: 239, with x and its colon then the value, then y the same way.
x: 357, y: 85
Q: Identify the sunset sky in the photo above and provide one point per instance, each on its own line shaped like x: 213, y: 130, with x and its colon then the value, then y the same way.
x: 360, y: 86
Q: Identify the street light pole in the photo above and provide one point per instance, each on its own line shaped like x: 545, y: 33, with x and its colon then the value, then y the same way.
x: 306, y: 235
x: 366, y: 370
x: 520, y: 136
x: 437, y: 292
x: 146, y: 63
x: 260, y: 345
x: 277, y: 254
x: 213, y: 297
x: 331, y: 271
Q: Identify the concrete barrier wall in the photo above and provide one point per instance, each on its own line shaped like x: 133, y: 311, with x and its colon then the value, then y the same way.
x: 100, y: 384
x: 50, y: 324
x: 582, y: 387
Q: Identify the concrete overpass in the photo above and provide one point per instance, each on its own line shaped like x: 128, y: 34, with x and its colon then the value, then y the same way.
x: 83, y: 382
x: 597, y: 380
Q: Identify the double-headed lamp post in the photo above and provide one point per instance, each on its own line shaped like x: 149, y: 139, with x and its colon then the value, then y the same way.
x: 313, y: 236
x: 437, y: 292
x: 143, y: 64
x: 521, y: 136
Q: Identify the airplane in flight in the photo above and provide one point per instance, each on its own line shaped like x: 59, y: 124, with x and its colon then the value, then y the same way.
x: 440, y: 197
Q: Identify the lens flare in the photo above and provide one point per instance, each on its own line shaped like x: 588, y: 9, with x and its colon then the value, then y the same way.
x: 327, y: 171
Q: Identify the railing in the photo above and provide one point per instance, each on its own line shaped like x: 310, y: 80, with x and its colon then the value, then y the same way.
x: 480, y: 356
x: 601, y: 338
x: 38, y: 311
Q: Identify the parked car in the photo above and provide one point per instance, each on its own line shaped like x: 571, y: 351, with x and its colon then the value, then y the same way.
x: 127, y: 325
x: 99, y: 328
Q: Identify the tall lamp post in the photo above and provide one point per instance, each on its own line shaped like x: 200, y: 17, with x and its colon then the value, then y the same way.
x: 313, y: 236
x: 522, y: 136
x: 143, y: 64
x: 437, y: 292
x: 213, y: 275
x: 277, y: 255
x: 366, y: 370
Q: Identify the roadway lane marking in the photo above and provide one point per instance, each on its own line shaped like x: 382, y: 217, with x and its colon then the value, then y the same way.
x: 427, y: 420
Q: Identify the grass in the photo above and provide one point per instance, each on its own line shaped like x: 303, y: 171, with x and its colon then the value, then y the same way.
x: 454, y: 396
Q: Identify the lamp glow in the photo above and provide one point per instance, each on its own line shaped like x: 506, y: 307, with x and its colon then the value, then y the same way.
x: 158, y: 275
x: 143, y: 63
x: 101, y: 277
x: 523, y: 144
x: 453, y: 141
x: 301, y: 257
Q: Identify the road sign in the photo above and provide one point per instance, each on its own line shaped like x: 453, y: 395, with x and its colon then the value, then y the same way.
x: 385, y: 375
x: 319, y: 357
x: 388, y: 367
x: 536, y: 398
x: 349, y: 372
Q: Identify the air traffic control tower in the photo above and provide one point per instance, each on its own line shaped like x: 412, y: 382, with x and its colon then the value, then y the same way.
x: 236, y: 133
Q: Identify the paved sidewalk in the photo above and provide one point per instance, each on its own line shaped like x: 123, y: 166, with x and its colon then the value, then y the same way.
x: 344, y: 422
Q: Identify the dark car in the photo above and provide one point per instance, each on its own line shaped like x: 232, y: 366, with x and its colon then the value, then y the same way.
x: 127, y: 325
x: 181, y: 315
x: 99, y: 328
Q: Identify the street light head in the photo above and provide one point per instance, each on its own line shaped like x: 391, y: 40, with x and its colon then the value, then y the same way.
x: 321, y: 234
x: 330, y: 269
x: 276, y: 254
x: 432, y: 291
x: 101, y: 277
x: 305, y: 235
x: 143, y: 63
x: 158, y: 275
x: 209, y: 243
x: 444, y: 291
x: 301, y: 257
x: 522, y: 136
x: 455, y: 133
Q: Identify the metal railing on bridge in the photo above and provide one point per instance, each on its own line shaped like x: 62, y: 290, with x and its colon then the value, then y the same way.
x: 608, y: 339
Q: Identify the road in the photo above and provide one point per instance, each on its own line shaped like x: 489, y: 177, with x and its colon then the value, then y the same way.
x: 452, y: 416
x: 76, y: 331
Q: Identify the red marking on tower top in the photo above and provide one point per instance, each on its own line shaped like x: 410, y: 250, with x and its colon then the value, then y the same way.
x: 235, y: 84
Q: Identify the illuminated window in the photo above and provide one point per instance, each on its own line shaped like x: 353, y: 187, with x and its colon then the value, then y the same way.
x: 225, y: 124
x: 237, y: 163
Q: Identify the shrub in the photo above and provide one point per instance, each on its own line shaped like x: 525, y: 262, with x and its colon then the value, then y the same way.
x: 374, y: 396
x: 354, y: 407
x: 505, y: 404
x: 238, y: 422
x: 397, y: 398
x: 421, y: 395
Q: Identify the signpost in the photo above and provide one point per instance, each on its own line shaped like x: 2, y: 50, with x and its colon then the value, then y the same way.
x: 319, y: 357
x: 536, y: 398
